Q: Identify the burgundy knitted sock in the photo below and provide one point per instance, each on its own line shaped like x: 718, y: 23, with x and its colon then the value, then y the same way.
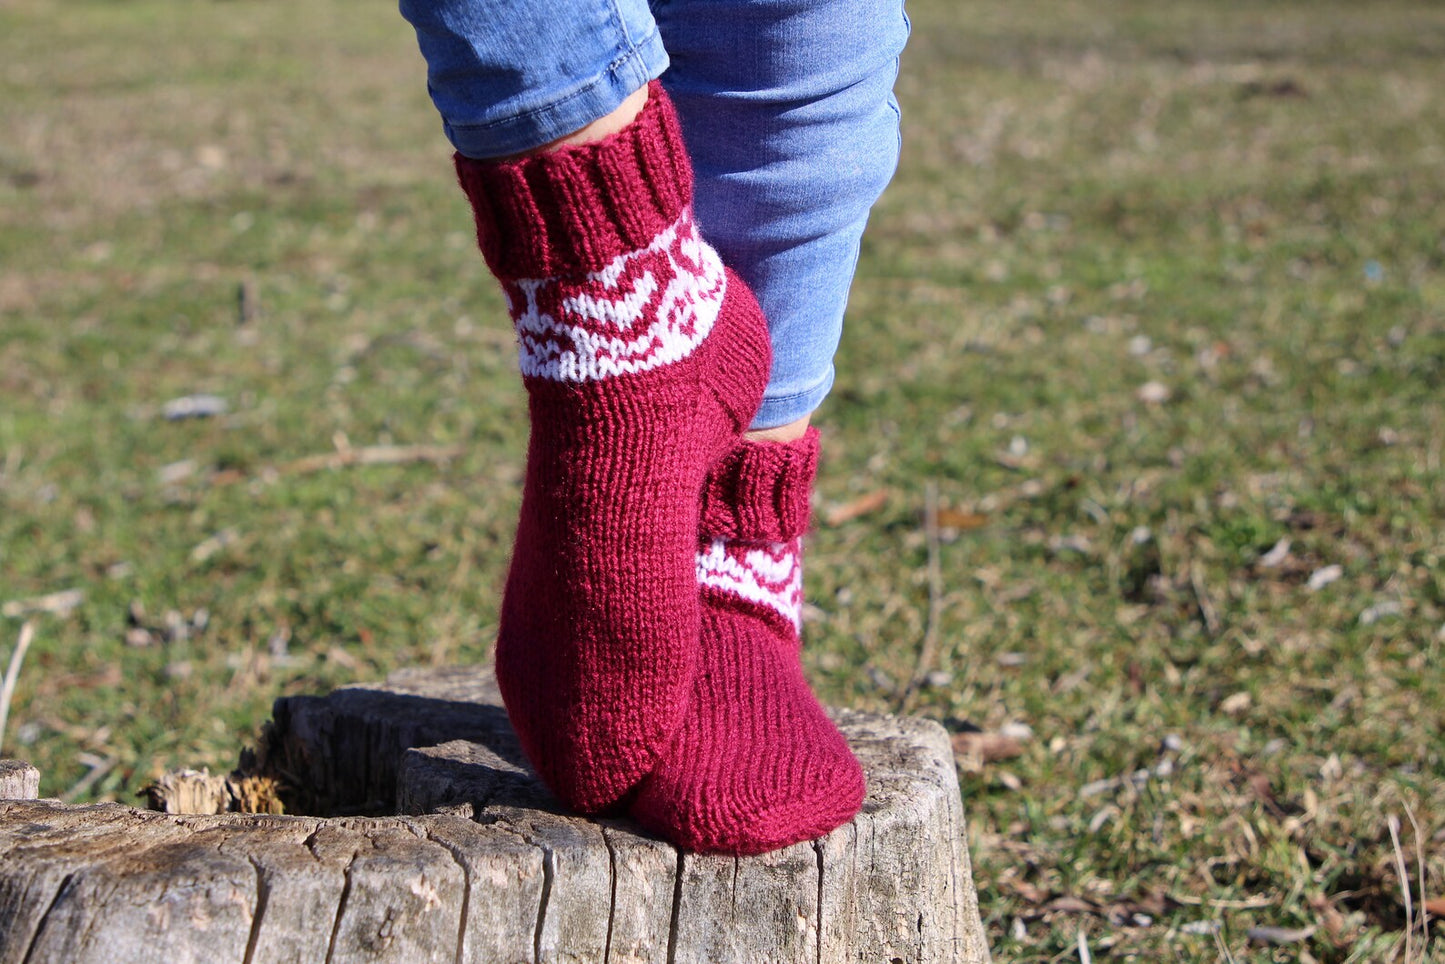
x: 643, y: 360
x: 756, y: 764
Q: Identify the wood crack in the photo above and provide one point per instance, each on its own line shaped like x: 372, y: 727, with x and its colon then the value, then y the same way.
x: 549, y: 870
x: 612, y: 898
x: 737, y: 866
x: 263, y: 897
x: 340, y: 906
x: 466, y: 890
x: 310, y: 843
x: 676, y: 910
x: 818, y: 852
x: 45, y: 917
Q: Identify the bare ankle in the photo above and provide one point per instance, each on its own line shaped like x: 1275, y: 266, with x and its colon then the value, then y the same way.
x: 606, y: 126
x: 781, y: 433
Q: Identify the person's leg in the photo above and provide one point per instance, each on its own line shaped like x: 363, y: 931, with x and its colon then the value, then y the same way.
x: 793, y: 130
x: 644, y: 360
x: 796, y: 135
x: 512, y: 76
x: 600, y: 129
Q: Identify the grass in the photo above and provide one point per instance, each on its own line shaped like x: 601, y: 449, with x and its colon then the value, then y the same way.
x: 1156, y: 306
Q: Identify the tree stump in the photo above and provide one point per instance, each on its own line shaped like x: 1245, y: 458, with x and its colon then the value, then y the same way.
x: 435, y: 842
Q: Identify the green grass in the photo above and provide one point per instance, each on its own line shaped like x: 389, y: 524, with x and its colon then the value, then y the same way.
x: 1239, y: 202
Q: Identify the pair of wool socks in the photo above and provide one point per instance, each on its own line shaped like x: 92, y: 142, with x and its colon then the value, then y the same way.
x: 644, y: 360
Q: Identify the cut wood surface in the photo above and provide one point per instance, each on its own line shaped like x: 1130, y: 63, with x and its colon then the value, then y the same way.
x: 477, y: 862
x: 18, y: 781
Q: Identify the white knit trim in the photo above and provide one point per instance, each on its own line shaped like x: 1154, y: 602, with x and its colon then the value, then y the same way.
x: 647, y: 308
x: 768, y: 575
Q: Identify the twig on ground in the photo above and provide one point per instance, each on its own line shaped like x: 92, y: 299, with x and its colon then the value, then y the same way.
x: 1276, y: 936
x: 99, y: 767
x: 13, y: 455
x: 1225, y: 953
x: 344, y: 457
x: 12, y: 673
x: 1424, y: 901
x: 248, y: 303
x: 928, y: 649
x: 56, y: 603
x: 1207, y: 612
x: 1248, y: 903
x: 855, y: 508
x: 371, y: 455
x: 1084, y: 956
x: 1393, y: 823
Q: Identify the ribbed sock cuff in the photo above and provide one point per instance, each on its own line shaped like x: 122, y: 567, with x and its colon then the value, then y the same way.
x: 575, y: 209
x: 761, y: 491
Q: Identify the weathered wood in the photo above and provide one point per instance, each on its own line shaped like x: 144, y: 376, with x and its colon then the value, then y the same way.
x: 18, y: 780
x: 197, y: 791
x: 483, y: 864
x: 340, y: 752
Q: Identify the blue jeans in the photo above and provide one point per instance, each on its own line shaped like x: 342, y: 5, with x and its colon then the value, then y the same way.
x: 787, y: 106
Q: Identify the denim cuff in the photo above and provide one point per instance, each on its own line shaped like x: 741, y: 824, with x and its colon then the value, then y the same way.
x: 786, y: 409
x: 643, y: 62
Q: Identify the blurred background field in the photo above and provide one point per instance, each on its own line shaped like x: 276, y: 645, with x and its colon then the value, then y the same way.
x: 1132, y: 477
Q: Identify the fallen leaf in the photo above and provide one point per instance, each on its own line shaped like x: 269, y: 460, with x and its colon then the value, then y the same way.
x: 1276, y: 555
x: 207, y: 548
x: 1286, y: 87
x: 1153, y: 393
x: 1323, y: 576
x: 954, y: 519
x: 1071, y: 905
x: 1016, y: 731
x: 1030, y: 892
x: 986, y: 747
x: 1330, y: 917
x: 1379, y: 611
x: 176, y: 471
x: 1435, y: 907
x: 1017, y: 463
x: 194, y: 406
x: 1263, y: 789
x: 1236, y: 703
x: 1280, y: 935
x: 1126, y: 913
x: 938, y: 679
x: 852, y: 509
